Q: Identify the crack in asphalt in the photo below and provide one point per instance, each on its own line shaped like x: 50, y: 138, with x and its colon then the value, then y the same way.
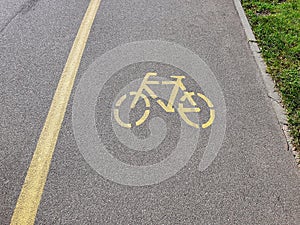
x: 25, y: 8
x: 274, y: 99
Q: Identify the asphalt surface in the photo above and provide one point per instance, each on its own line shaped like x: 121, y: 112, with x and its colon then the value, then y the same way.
x: 253, y: 179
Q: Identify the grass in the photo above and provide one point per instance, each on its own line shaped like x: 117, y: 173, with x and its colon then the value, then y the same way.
x: 276, y: 25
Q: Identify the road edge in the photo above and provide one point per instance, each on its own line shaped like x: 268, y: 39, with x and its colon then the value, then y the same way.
x: 268, y: 82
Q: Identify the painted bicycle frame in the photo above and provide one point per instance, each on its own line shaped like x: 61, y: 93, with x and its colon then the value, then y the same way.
x: 169, y: 107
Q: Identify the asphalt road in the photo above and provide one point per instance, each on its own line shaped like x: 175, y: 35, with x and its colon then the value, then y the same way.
x: 252, y: 180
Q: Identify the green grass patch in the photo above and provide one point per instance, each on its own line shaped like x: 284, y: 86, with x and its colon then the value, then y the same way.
x: 276, y: 25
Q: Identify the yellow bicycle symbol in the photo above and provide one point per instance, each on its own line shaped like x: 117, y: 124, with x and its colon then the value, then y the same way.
x: 187, y: 96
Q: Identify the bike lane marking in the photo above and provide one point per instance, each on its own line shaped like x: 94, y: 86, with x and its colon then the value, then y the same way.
x: 32, y: 189
x: 169, y: 107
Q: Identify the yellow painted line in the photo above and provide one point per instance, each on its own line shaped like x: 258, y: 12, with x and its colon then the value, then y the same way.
x: 119, y: 102
x: 208, y: 102
x: 30, y: 196
x: 118, y: 119
x: 143, y: 118
x: 211, y: 119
